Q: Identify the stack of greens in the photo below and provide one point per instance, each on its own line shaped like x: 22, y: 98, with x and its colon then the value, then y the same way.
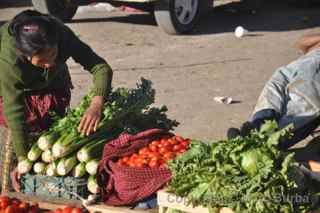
x: 248, y: 175
x: 62, y: 150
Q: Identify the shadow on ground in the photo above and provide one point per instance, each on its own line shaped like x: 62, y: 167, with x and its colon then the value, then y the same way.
x: 139, y: 18
x: 272, y: 16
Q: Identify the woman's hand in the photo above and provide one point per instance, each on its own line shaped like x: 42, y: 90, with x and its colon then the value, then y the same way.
x: 15, y: 178
x: 92, y: 116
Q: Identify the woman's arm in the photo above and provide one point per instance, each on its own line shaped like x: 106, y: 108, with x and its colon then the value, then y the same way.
x: 272, y: 99
x: 308, y: 43
x: 96, y: 65
x: 102, y: 78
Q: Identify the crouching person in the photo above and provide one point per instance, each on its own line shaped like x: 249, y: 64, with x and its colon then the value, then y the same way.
x: 34, y: 80
x: 292, y: 95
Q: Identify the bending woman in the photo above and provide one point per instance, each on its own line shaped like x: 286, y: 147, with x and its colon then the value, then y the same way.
x: 34, y: 77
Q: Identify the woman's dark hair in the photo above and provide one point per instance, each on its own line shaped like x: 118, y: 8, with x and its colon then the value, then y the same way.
x: 33, y: 32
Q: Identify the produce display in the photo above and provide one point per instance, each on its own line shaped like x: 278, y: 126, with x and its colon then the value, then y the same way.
x: 247, y: 174
x: 62, y: 150
x: 157, y: 153
x: 14, y: 205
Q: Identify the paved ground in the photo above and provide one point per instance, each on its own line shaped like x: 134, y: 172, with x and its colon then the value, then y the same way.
x: 189, y: 71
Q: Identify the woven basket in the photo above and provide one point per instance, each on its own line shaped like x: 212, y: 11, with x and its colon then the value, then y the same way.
x: 7, y: 159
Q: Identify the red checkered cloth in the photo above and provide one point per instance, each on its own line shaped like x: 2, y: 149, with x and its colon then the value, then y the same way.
x: 123, y: 185
x: 38, y: 105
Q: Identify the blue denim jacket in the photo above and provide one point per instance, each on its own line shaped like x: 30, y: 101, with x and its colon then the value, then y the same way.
x: 294, y: 91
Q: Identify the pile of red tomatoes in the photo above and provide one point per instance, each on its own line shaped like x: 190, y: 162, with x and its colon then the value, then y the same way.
x: 157, y: 153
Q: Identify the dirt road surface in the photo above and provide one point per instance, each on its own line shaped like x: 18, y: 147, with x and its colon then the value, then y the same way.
x: 189, y: 71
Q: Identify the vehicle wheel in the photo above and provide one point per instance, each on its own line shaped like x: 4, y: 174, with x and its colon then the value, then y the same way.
x: 62, y: 9
x: 179, y: 16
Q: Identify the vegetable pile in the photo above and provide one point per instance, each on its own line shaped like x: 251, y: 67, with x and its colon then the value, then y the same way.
x: 245, y: 174
x: 14, y: 205
x: 62, y: 150
x: 157, y: 153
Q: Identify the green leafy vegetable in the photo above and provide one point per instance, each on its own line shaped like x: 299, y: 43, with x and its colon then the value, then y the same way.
x: 245, y: 174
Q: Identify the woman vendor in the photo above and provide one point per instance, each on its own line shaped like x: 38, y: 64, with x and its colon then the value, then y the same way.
x: 34, y: 77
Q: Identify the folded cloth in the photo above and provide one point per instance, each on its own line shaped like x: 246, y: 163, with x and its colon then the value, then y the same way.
x: 124, y: 185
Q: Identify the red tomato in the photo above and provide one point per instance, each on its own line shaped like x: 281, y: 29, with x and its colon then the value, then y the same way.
x: 68, y: 209
x: 179, y: 138
x: 145, y: 155
x: 162, y: 161
x: 144, y: 150
x: 153, y: 154
x: 181, y: 147
x: 4, y: 202
x: 169, y: 156
x: 163, y: 150
x: 155, y: 143
x: 121, y: 163
x: 10, y: 209
x: 146, y: 161
x: 142, y: 160
x: 132, y: 163
x: 58, y: 210
x: 134, y: 156
x: 160, y: 145
x: 76, y: 210
x: 155, y: 158
x: 24, y: 206
x: 125, y: 159
x: 176, y: 148
x: 168, y: 145
x: 153, y: 148
x: 153, y: 164
x: 172, y: 141
x: 163, y: 140
x: 185, y: 144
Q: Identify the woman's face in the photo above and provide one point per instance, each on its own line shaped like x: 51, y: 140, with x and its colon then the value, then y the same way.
x: 46, y: 58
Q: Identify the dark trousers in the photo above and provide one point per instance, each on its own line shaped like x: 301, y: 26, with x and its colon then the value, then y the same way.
x: 300, y: 134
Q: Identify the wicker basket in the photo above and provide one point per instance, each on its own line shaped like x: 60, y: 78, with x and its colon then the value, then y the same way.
x: 7, y: 159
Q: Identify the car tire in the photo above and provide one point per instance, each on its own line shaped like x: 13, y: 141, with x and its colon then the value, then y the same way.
x: 177, y: 17
x: 58, y: 8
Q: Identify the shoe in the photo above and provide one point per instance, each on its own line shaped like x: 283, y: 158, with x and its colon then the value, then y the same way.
x: 233, y: 133
x: 246, y: 128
